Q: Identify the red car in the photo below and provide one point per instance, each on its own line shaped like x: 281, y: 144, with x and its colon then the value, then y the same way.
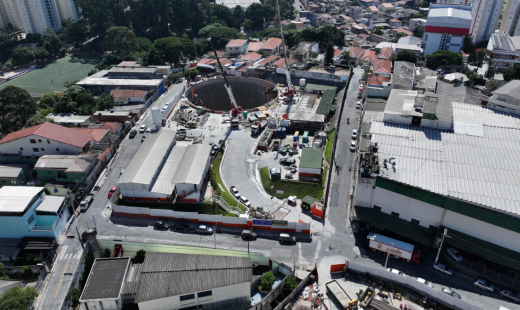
x: 111, y: 192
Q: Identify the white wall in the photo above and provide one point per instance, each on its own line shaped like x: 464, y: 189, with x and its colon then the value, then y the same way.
x: 13, y: 147
x: 432, y: 42
x: 382, y: 92
x: 219, y: 294
x: 102, y: 304
x: 138, y: 190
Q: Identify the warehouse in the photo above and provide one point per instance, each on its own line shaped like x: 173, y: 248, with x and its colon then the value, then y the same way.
x: 310, y: 164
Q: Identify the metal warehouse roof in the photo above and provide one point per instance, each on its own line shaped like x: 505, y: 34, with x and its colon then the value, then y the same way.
x: 169, y: 274
x: 476, y: 163
x: 449, y: 17
x: 17, y: 198
x: 146, y: 162
x: 51, y: 203
x: 69, y: 163
x: 311, y: 158
x: 106, y: 278
x: 11, y: 170
x: 326, y: 102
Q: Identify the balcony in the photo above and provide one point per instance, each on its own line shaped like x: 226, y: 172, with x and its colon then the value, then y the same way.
x: 37, y: 228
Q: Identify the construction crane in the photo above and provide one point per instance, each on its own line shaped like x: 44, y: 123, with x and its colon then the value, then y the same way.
x: 235, y: 108
x: 290, y: 91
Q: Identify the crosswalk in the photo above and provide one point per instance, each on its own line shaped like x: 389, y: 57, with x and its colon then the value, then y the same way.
x: 63, y: 255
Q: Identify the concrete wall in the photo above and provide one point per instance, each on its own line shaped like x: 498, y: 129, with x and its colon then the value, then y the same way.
x: 248, y: 93
x: 382, y: 92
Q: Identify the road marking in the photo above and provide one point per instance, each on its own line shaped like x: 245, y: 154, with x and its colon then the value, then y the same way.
x: 61, y: 279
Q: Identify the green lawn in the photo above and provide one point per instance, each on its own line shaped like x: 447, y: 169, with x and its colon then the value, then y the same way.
x: 289, y: 188
x: 51, y: 77
x: 328, y: 147
x: 204, y: 208
x: 324, y: 176
x: 219, y: 185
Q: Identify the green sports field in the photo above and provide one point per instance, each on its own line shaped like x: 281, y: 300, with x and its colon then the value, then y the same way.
x: 51, y: 77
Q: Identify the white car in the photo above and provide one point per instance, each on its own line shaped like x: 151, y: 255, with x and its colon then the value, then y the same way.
x: 421, y: 280
x: 508, y: 294
x: 353, y: 145
x: 358, y: 105
x: 163, y: 109
x: 450, y: 292
x: 443, y: 268
x: 455, y: 254
x: 142, y: 128
x: 245, y: 201
x: 354, y: 134
x: 483, y: 284
x: 395, y: 271
x: 235, y: 192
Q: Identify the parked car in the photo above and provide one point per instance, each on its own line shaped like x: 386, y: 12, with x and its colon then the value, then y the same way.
x: 144, y: 137
x: 443, y: 268
x: 248, y: 234
x: 358, y: 105
x: 287, y: 161
x: 142, y: 128
x: 421, y: 280
x: 395, y: 271
x: 235, y: 192
x: 508, y: 294
x: 353, y: 145
x: 455, y: 254
x: 450, y: 292
x: 354, y: 134
x: 133, y: 132
x: 161, y: 225
x: 181, y: 226
x: 485, y: 285
x: 275, y: 172
x: 360, y: 95
x: 204, y: 230
x: 112, y: 191
x: 287, y: 238
x: 163, y: 109
x: 245, y: 201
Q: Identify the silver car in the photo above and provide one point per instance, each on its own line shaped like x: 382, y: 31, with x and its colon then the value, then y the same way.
x: 455, y: 254
x: 483, y: 284
x: 449, y: 291
x: 421, y: 280
x: 508, y: 294
x: 443, y: 268
x: 353, y: 145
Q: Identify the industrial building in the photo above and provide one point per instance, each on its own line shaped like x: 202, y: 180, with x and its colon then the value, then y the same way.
x: 310, y: 164
x: 169, y: 281
x: 418, y: 180
x: 163, y: 170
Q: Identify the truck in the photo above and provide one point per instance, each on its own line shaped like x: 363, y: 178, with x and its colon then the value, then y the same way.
x: 85, y: 203
x: 257, y: 127
x: 339, y: 294
x: 396, y: 248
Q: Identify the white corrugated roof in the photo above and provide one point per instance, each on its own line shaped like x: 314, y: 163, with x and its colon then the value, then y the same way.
x: 449, y: 17
x: 164, y: 183
x: 477, y: 163
x: 51, y: 203
x: 191, y: 169
x: 17, y: 198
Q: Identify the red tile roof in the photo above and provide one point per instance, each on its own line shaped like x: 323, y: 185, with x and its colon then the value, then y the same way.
x: 254, y: 46
x: 387, y: 5
x: 51, y: 131
x: 236, y: 42
x: 281, y: 62
x: 337, y: 52
x: 271, y: 43
x: 369, y: 56
x: 244, y: 68
x: 112, y: 126
x: 393, y: 20
x: 363, y: 35
x: 373, y: 9
x: 286, y: 22
x: 96, y: 133
x: 128, y: 93
x: 403, y: 30
x: 356, y: 52
x: 385, y: 53
x: 377, y: 80
x: 269, y: 59
x: 210, y: 61
x: 382, y: 66
x: 251, y: 56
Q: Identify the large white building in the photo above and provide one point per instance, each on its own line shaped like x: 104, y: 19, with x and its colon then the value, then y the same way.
x: 446, y: 28
x: 486, y: 14
x: 510, y: 21
x: 506, y: 51
x: 418, y: 179
x: 36, y: 16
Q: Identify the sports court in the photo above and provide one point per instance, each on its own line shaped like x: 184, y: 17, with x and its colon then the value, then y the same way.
x: 51, y: 77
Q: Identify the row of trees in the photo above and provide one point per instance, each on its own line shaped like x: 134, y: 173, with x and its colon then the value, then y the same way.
x: 75, y: 100
x: 293, y: 37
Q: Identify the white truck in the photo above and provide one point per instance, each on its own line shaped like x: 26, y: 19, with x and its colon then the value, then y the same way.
x: 85, y: 203
x: 396, y: 248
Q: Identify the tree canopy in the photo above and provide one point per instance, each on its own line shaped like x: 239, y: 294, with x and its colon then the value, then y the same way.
x: 169, y: 50
x: 404, y: 55
x: 220, y: 35
x: 444, y: 58
x: 512, y: 73
x: 121, y: 41
x: 329, y: 53
x: 17, y: 298
x: 17, y: 106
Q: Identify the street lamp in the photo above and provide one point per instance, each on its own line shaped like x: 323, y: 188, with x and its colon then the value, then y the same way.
x: 387, y: 255
x: 445, y: 234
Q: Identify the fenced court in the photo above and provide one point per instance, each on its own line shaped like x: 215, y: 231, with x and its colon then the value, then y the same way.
x: 51, y: 77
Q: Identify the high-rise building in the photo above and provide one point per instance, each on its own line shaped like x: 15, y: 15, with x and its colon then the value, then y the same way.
x: 460, y: 2
x: 510, y: 19
x: 35, y: 16
x: 486, y: 14
x: 446, y: 27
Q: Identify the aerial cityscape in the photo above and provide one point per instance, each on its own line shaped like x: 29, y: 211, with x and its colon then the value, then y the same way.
x: 259, y: 154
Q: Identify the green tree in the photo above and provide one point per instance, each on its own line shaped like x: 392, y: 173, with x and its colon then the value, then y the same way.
x: 249, y: 24
x: 492, y: 85
x: 444, y: 58
x: 143, y: 44
x: 47, y: 101
x: 190, y: 74
x: 398, y: 36
x: 86, y: 104
x: 329, y: 53
x: 330, y: 33
x: 75, y: 33
x: 418, y: 31
x: 51, y: 42
x: 266, y: 282
x: 405, y: 55
x: 220, y: 35
x: 139, y: 257
x: 17, y: 298
x: 22, y: 55
x: 258, y: 13
x: 105, y: 102
x: 290, y: 285
x: 37, y: 120
x: 422, y: 4
x: 17, y: 106
x: 512, y: 73
x: 121, y: 41
x: 170, y: 50
x: 378, y: 31
x: 40, y: 53
x: 480, y: 57
x: 64, y: 104
x: 3, y: 272
x: 222, y: 13
x: 74, y: 91
x: 472, y: 76
x: 73, y: 296
x: 238, y: 13
x: 346, y: 57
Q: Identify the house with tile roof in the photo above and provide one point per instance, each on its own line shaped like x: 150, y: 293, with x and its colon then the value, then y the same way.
x: 281, y: 63
x: 46, y: 139
x: 355, y: 53
x: 395, y: 23
x: 382, y: 67
x: 372, y: 9
x: 128, y: 96
x: 251, y: 57
x: 68, y: 168
x: 254, y: 46
x: 379, y: 86
x: 272, y: 45
x: 385, y: 53
x: 386, y: 8
x: 236, y: 47
x: 368, y: 57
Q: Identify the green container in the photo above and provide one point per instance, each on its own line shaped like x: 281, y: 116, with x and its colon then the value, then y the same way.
x: 245, y: 114
x: 305, y: 137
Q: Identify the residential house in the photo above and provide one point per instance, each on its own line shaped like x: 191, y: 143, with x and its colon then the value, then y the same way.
x: 385, y: 53
x: 270, y: 60
x: 414, y: 22
x: 386, y: 8
x: 272, y: 45
x: 355, y: 53
x: 368, y: 58
x: 379, y: 86
x: 410, y: 41
x: 506, y: 51
x: 323, y: 20
x: 338, y: 57
x: 303, y: 51
x: 506, y: 97
x: 355, y: 12
x: 129, y: 96
x: 407, y: 47
x: 404, y: 75
x: 397, y: 30
x: 14, y: 174
x: 373, y: 10
x: 251, y: 57
x: 395, y: 23
x: 45, y: 139
x: 382, y: 67
x: 108, y: 116
x: 254, y: 46
x: 76, y: 169
x: 358, y: 28
x: 97, y: 134
x: 367, y: 3
x: 28, y: 212
x: 299, y: 24
x: 236, y: 47
x: 314, y: 7
x: 70, y: 119
x: 280, y: 64
x: 343, y: 19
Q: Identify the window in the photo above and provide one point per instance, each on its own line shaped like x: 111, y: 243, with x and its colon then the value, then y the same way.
x: 395, y: 214
x: 21, y: 149
x: 3, y: 181
x: 32, y: 141
x: 39, y: 140
x: 30, y: 219
x: 204, y: 294
x: 187, y: 297
x: 35, y: 149
x: 415, y: 221
x: 48, y: 141
x: 42, y: 149
x: 57, y: 149
x: 433, y: 227
x: 377, y: 208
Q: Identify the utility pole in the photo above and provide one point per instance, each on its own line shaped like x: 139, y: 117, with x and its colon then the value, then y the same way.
x: 445, y: 234
x: 387, y: 255
x: 79, y: 238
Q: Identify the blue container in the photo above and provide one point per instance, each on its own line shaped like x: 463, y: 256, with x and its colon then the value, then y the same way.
x: 295, y: 138
x: 282, y: 133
